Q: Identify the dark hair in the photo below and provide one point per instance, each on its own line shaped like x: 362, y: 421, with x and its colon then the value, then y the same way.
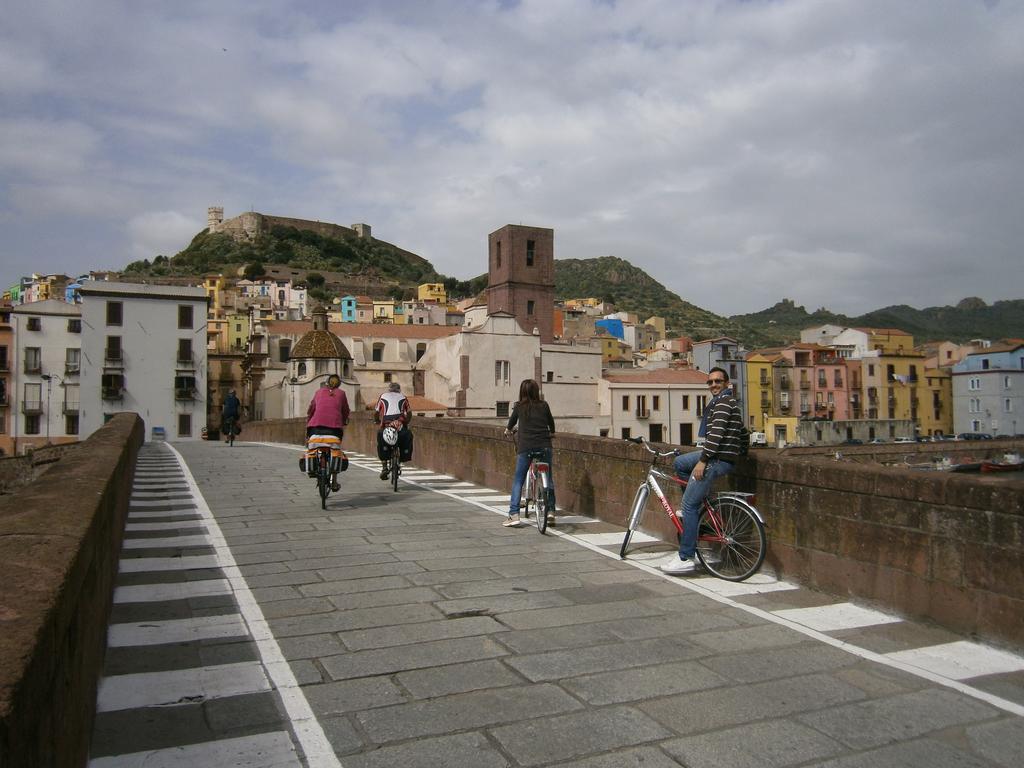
x: 334, y: 381
x: 529, y: 393
x: 721, y: 371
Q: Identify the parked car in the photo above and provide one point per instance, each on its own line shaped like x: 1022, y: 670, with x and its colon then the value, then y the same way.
x: 905, y: 440
x: 974, y: 436
x: 758, y: 439
x: 877, y: 441
x: 852, y: 441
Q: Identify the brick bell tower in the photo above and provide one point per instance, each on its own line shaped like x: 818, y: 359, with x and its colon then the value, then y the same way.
x: 521, y: 276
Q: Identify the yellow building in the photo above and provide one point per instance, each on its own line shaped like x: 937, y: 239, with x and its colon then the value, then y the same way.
x: 759, y: 390
x: 384, y: 311
x: 889, y: 340
x: 432, y: 292
x: 582, y: 303
x: 935, y: 402
x: 238, y: 331
x: 901, y: 385
x: 658, y: 323
x: 214, y: 286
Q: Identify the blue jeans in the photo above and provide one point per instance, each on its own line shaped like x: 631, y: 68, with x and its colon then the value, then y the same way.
x: 522, y: 467
x: 695, y: 493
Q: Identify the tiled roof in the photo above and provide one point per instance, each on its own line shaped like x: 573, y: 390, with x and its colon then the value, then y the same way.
x: 660, y: 376
x: 364, y: 330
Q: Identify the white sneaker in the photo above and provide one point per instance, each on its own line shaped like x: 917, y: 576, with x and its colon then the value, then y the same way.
x: 677, y: 567
x: 512, y: 521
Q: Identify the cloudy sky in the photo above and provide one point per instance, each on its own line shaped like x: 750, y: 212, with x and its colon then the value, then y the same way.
x: 842, y: 153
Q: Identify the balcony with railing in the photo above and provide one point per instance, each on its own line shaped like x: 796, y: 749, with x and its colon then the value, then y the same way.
x: 185, y: 360
x: 5, y: 365
x: 112, y: 393
x: 32, y: 368
x: 72, y: 369
x: 31, y: 407
x: 70, y: 408
x: 113, y: 358
x: 643, y: 413
x: 784, y: 382
x: 185, y: 393
x: 805, y: 383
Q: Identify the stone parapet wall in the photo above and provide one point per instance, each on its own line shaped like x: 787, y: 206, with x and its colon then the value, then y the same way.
x: 16, y: 471
x: 60, y: 539
x: 942, y: 546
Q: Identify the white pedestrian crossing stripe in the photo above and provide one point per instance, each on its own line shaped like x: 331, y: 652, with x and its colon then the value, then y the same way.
x: 184, y: 590
x: 180, y: 686
x: 176, y: 630
x: 829, y: 618
x: 261, y: 749
x: 961, y: 660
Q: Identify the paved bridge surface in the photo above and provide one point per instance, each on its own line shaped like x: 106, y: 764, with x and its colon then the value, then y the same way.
x: 250, y: 628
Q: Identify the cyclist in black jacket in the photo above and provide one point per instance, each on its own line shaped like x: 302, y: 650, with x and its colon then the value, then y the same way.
x: 536, y: 425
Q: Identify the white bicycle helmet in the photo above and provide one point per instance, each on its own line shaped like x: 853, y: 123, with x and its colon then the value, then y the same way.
x: 390, y: 436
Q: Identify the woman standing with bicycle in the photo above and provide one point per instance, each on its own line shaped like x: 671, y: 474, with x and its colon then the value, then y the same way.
x: 536, y: 425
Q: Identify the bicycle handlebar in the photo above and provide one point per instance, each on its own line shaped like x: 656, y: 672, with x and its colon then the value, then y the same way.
x: 640, y: 440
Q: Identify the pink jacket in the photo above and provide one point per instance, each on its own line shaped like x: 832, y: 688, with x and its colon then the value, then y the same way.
x: 328, y: 408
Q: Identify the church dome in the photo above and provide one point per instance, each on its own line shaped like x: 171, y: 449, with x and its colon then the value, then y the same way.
x: 319, y: 343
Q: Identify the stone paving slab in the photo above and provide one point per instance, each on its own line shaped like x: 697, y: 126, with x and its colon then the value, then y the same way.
x: 412, y: 629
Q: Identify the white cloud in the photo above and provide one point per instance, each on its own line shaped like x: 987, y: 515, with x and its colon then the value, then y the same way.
x: 160, y: 232
x: 845, y: 153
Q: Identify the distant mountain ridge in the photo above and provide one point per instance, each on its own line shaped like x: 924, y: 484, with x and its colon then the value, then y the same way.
x: 379, y: 268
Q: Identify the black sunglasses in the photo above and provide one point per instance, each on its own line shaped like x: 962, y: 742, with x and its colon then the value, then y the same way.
x: 715, y: 381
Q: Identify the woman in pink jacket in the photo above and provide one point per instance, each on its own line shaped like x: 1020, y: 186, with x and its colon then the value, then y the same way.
x: 328, y: 414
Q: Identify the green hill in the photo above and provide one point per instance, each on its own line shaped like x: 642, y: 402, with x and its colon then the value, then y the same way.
x: 368, y: 265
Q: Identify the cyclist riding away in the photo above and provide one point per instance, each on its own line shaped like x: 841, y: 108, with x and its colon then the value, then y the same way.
x: 393, y: 410
x: 725, y: 440
x: 536, y: 425
x: 328, y: 414
x: 229, y: 414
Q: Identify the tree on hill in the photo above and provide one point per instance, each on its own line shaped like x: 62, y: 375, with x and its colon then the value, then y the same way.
x: 254, y: 270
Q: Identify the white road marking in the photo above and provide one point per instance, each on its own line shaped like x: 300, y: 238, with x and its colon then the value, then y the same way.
x: 757, y: 584
x: 581, y: 520
x: 142, y: 564
x: 179, y: 590
x: 173, y: 541
x: 610, y: 538
x: 317, y: 748
x: 180, y: 686
x: 175, y: 630
x: 261, y: 750
x: 961, y: 660
x: 828, y: 618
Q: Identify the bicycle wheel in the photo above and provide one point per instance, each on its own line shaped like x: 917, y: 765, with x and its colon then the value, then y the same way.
x: 540, y: 502
x: 526, y: 494
x: 323, y: 477
x: 731, y: 541
x: 636, y: 514
x: 396, y: 468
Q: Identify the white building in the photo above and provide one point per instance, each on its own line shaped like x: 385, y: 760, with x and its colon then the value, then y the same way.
x: 144, y: 350
x: 664, y: 406
x: 45, y: 381
x: 477, y: 374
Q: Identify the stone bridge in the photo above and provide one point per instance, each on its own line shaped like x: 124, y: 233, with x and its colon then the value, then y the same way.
x: 241, y: 625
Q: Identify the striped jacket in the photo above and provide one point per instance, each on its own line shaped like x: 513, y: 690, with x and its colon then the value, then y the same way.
x: 726, y: 438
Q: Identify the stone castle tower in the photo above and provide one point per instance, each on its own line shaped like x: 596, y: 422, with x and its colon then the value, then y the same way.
x: 521, y: 277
